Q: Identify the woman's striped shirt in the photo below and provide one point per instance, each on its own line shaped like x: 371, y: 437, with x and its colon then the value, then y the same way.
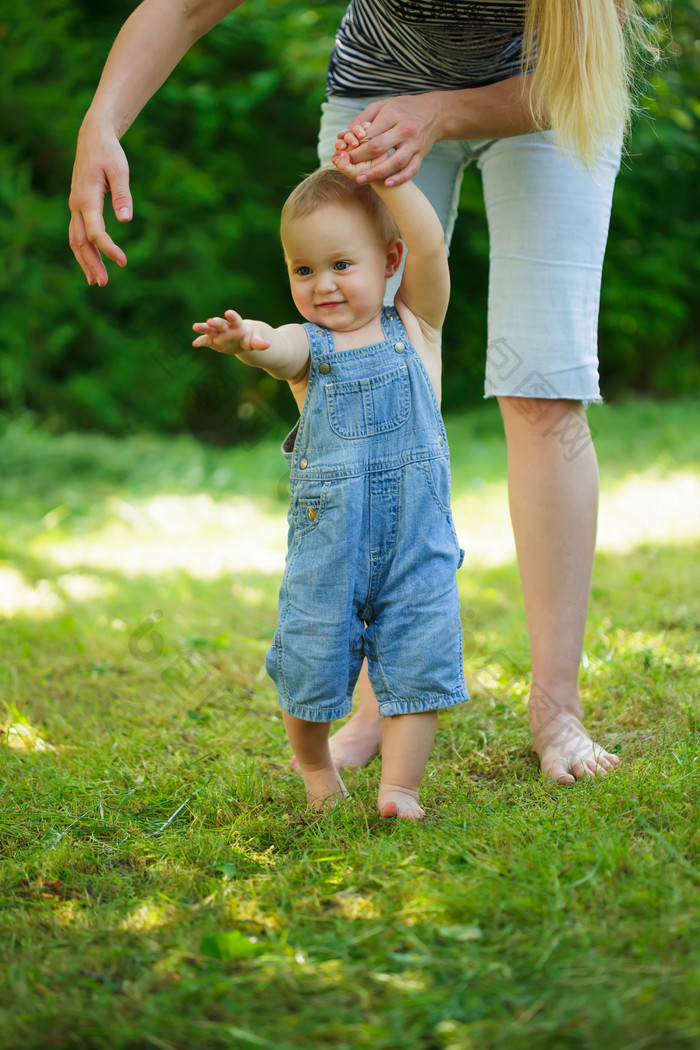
x: 393, y: 47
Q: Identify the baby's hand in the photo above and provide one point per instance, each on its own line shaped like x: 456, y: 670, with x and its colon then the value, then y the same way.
x: 343, y: 162
x: 351, y: 137
x: 229, y: 334
x: 342, y: 158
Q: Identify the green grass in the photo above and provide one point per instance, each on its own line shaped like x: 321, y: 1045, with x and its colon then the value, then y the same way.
x: 163, y: 884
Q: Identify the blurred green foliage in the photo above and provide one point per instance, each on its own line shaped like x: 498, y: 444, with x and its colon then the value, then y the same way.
x: 212, y: 158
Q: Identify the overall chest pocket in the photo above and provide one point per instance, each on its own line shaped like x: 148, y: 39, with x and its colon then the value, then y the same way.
x: 361, y: 408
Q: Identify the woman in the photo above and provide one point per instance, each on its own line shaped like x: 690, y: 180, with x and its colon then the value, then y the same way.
x: 443, y: 83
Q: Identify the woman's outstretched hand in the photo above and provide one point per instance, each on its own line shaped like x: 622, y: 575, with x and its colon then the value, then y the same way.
x: 407, y: 124
x: 100, y: 168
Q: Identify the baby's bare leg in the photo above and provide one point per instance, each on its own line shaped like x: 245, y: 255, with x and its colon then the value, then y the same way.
x: 359, y: 740
x: 406, y: 744
x: 309, y: 742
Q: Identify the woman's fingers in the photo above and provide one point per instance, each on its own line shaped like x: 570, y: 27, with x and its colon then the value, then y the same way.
x: 394, y: 169
x: 93, y: 179
x: 88, y: 257
x: 89, y: 241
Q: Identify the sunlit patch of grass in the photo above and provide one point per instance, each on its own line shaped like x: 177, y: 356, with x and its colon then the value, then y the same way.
x: 18, y: 734
x: 647, y: 509
x: 168, y: 532
x: 18, y: 595
x: 146, y: 916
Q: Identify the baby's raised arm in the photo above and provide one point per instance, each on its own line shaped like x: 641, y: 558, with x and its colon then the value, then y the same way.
x: 283, y: 352
x: 425, y: 286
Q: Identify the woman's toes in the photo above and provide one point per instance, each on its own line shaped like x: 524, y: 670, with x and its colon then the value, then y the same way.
x: 558, y: 771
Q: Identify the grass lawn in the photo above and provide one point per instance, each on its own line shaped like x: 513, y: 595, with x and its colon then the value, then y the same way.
x: 163, y: 884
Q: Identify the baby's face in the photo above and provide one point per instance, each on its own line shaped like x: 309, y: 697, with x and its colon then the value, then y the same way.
x: 337, y: 267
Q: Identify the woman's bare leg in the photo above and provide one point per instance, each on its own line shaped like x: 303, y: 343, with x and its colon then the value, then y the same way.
x: 553, y: 494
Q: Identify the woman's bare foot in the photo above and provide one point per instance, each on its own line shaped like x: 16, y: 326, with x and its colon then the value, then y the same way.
x: 324, y: 788
x: 394, y: 801
x: 356, y: 743
x: 563, y: 745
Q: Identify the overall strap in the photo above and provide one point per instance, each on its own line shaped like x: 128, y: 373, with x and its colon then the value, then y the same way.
x: 393, y: 326
x: 320, y: 340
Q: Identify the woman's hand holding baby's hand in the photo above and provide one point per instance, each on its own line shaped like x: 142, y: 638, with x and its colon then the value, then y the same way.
x: 346, y: 142
x: 229, y: 334
x: 344, y: 162
x: 352, y: 137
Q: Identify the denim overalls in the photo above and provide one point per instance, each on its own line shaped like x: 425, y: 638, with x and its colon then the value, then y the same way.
x: 373, y: 552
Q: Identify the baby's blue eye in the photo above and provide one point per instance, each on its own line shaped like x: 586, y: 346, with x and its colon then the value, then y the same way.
x: 303, y: 271
x: 342, y: 265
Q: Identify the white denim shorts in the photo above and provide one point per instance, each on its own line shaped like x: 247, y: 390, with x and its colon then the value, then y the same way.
x: 548, y: 223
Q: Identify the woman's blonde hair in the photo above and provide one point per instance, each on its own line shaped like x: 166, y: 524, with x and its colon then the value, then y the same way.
x: 585, y: 56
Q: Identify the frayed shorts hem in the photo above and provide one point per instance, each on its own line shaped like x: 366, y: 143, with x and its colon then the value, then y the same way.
x: 586, y: 399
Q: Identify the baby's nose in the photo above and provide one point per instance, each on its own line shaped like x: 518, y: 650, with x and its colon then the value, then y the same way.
x: 326, y: 279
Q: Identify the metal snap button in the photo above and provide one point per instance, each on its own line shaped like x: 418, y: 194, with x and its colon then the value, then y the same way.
x: 303, y: 463
x: 324, y: 368
x: 441, y: 441
x: 399, y: 348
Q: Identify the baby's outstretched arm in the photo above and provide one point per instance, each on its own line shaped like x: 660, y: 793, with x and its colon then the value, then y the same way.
x: 283, y: 352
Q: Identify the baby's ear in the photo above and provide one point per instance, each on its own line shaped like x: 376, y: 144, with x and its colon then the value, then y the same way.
x: 394, y: 255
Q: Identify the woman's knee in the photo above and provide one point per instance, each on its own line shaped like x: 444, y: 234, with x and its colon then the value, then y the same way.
x: 547, y: 421
x: 536, y: 410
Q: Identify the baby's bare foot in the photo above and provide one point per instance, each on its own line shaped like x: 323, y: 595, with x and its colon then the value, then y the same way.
x: 564, y: 747
x: 354, y: 744
x: 399, y: 802
x: 324, y: 788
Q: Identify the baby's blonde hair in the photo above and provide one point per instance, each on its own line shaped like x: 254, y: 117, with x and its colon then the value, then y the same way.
x: 585, y: 54
x: 328, y: 186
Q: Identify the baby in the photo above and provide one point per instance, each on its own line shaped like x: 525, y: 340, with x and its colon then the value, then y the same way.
x: 372, y: 557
